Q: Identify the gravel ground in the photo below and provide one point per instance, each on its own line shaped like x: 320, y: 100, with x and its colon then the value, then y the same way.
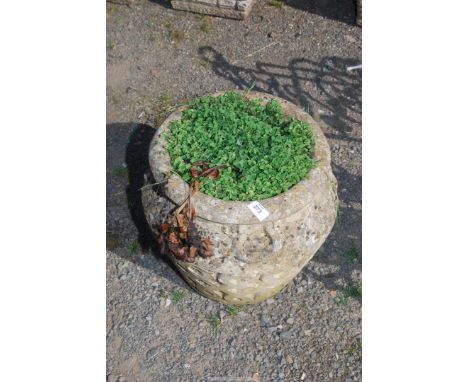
x: 157, y: 328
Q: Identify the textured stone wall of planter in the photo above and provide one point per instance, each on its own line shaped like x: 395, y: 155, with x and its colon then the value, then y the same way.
x: 235, y: 9
x: 253, y: 260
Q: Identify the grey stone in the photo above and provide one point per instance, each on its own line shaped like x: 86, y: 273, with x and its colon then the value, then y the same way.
x: 265, y: 320
x: 286, y: 334
x: 151, y: 353
x: 290, y: 320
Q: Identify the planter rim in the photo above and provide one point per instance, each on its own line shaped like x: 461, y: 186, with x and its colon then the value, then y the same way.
x: 236, y: 212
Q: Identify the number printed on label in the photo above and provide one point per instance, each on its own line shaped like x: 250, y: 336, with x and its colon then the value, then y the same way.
x: 258, y: 210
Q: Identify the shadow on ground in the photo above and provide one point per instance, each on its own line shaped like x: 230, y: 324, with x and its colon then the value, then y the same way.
x: 339, y: 10
x: 324, y: 88
x: 128, y: 144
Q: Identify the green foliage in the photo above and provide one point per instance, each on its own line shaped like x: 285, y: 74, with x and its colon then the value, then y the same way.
x: 355, y: 351
x: 133, y: 247
x: 264, y: 152
x: 215, y: 321
x: 353, y: 254
x: 120, y: 172
x: 342, y: 301
x: 276, y: 3
x: 205, y: 27
x: 176, y: 296
x: 352, y: 290
x: 165, y: 98
x: 233, y: 310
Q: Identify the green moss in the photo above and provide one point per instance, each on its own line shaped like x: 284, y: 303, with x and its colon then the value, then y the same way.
x: 176, y: 296
x: 353, y: 290
x: 353, y: 254
x: 264, y: 151
x: 121, y: 172
x: 276, y: 3
x: 215, y: 323
x: 133, y: 247
x: 233, y: 310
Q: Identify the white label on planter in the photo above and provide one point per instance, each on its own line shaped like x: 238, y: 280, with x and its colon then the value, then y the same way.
x: 258, y: 210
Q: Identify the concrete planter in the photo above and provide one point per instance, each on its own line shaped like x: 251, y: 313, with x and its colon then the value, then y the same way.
x: 254, y: 260
x: 235, y: 9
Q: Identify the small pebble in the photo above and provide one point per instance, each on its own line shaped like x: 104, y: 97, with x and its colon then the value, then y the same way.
x: 290, y: 320
x: 289, y: 359
x: 150, y: 354
x: 265, y: 320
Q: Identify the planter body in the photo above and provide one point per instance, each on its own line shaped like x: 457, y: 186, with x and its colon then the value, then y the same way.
x: 235, y: 9
x: 253, y: 260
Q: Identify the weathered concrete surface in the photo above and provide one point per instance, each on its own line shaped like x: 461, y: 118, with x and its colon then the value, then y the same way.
x: 235, y: 9
x: 252, y: 260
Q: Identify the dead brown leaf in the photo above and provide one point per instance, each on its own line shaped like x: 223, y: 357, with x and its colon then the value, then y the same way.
x: 164, y: 227
x: 193, y: 251
x: 206, y: 247
x: 173, y: 238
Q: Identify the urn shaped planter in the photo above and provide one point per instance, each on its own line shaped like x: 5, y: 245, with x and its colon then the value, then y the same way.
x: 253, y: 259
